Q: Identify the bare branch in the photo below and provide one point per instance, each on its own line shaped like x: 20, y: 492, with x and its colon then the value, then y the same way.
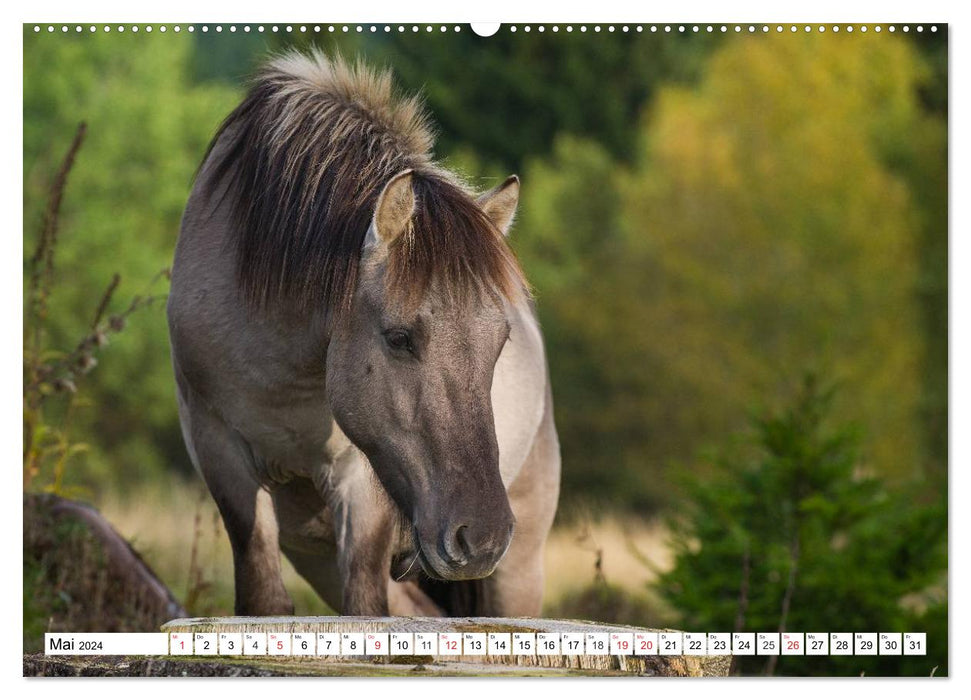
x: 105, y: 300
x: 787, y: 597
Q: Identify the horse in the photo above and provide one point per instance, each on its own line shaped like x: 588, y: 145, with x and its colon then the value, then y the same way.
x: 360, y: 373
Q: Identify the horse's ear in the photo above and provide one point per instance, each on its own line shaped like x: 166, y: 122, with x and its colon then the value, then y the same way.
x: 499, y: 203
x: 392, y: 215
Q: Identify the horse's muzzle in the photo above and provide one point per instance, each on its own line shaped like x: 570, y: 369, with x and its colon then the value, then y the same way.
x: 464, y: 551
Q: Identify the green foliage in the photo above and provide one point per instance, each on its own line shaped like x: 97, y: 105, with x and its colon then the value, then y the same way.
x: 147, y: 130
x: 46, y: 593
x: 791, y: 533
x: 528, y: 87
x: 52, y: 375
x: 511, y: 94
x: 590, y: 293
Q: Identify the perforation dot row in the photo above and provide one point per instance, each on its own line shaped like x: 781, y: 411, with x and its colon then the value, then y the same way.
x: 303, y: 28
x: 414, y: 28
x: 738, y: 28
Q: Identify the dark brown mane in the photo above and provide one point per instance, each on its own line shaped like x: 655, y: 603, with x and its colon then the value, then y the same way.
x: 304, y: 158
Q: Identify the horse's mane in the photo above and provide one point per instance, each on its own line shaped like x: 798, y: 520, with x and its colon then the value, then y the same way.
x: 304, y: 158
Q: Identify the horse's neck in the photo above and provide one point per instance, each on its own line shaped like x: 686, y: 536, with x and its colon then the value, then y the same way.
x: 523, y: 316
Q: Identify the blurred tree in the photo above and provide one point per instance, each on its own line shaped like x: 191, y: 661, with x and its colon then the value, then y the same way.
x: 517, y: 90
x: 147, y: 127
x: 505, y: 97
x: 783, y: 235
x: 761, y: 229
x: 791, y: 535
x: 922, y: 161
x: 232, y: 58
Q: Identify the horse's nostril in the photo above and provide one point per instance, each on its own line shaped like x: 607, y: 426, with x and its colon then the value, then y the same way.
x: 457, y: 545
x: 462, y: 538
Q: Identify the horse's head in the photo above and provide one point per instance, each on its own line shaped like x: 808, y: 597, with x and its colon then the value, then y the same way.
x: 410, y: 366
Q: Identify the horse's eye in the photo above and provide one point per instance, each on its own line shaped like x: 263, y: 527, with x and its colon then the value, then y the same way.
x: 398, y: 339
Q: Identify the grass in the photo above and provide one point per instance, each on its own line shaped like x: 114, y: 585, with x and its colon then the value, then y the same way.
x: 177, y: 529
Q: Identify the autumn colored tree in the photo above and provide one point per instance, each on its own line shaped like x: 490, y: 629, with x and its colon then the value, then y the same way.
x: 764, y: 228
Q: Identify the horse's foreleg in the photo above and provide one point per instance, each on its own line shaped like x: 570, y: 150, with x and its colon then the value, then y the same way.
x: 225, y: 462
x: 364, y: 527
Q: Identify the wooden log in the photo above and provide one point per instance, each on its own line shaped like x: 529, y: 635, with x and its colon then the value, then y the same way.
x: 585, y: 664
x: 82, y: 560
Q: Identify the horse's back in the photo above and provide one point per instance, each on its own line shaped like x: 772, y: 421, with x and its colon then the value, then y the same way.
x: 203, y: 284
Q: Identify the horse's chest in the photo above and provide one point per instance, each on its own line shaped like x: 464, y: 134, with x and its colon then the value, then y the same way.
x: 288, y: 441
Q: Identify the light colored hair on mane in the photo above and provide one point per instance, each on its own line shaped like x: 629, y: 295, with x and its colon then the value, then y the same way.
x: 304, y: 158
x: 402, y: 120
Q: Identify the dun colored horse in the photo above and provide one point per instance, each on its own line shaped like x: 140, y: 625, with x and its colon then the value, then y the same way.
x: 361, y: 377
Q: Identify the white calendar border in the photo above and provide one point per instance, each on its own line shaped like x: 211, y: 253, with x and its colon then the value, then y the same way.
x: 508, y: 10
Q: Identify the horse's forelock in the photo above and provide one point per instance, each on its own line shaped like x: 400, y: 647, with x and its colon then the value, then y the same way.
x: 305, y: 156
x: 453, y: 243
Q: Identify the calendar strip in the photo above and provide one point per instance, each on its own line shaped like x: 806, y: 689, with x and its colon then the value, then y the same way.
x: 390, y: 644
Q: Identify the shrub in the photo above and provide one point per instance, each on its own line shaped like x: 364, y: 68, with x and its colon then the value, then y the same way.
x: 792, y: 533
